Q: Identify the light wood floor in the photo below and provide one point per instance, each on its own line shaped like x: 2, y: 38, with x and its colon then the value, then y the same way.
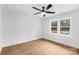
x: 38, y: 47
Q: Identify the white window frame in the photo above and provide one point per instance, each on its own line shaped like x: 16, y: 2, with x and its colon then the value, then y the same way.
x: 58, y: 26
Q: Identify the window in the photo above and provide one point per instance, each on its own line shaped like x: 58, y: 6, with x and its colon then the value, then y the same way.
x: 65, y: 26
x: 54, y: 26
x: 61, y: 26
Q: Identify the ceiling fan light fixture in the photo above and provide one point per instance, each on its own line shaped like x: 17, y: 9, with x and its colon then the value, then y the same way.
x: 43, y: 14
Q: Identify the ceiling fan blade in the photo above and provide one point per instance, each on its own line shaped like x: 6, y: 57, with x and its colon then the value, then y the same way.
x: 49, y: 12
x: 37, y: 13
x: 49, y: 6
x: 36, y: 8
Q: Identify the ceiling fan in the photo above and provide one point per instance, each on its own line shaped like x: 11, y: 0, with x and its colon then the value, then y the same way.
x: 44, y: 10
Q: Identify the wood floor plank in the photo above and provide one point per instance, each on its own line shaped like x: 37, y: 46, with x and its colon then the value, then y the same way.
x: 37, y: 47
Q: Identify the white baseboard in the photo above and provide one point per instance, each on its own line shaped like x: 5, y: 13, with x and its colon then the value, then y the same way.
x: 19, y: 42
x: 15, y: 43
x: 65, y: 43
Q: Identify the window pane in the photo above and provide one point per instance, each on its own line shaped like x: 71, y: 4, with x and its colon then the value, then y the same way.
x: 54, y: 26
x: 65, y: 26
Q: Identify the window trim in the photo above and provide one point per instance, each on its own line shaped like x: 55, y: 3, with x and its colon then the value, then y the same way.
x: 58, y: 26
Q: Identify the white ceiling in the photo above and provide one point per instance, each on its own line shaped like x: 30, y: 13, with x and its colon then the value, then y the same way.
x: 27, y: 8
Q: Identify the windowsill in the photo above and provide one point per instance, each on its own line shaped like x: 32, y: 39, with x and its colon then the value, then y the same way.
x: 61, y: 34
